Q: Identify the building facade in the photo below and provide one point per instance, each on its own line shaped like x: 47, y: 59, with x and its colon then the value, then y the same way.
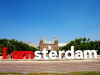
x: 49, y: 45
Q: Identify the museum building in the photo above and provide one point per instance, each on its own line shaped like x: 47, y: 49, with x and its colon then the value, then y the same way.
x: 49, y: 45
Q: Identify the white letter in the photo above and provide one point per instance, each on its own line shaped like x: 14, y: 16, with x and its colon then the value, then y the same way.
x: 36, y: 53
x: 90, y: 53
x: 44, y: 53
x: 55, y: 54
x: 79, y: 54
x: 72, y: 53
x: 60, y: 52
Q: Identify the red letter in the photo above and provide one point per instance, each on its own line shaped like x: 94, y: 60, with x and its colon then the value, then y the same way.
x: 27, y: 53
x: 16, y: 56
x: 4, y: 52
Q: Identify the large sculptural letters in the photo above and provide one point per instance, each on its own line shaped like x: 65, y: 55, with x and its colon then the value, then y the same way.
x: 52, y: 54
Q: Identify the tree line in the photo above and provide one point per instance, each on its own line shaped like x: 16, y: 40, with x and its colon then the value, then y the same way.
x: 14, y: 45
x: 82, y: 44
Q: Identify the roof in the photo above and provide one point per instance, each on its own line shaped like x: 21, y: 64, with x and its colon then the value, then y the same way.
x: 34, y: 44
x: 48, y: 42
x: 62, y: 44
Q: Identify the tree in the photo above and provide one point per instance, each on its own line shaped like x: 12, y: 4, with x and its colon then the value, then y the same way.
x: 82, y: 44
x: 14, y: 45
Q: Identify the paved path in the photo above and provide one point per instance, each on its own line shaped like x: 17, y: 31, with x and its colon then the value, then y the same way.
x: 49, y: 66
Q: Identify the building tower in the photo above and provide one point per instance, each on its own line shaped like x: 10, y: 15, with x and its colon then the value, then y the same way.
x: 56, y: 43
x: 41, y: 44
x: 54, y: 38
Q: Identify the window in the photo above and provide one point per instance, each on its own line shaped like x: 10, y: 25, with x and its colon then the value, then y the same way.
x: 44, y: 45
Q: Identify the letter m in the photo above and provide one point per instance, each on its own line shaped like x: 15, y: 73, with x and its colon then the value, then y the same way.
x: 90, y: 53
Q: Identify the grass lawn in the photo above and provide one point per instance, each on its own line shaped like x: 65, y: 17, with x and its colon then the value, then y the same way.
x: 71, y: 73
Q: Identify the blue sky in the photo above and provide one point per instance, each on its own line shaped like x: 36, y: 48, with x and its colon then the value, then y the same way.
x: 28, y: 20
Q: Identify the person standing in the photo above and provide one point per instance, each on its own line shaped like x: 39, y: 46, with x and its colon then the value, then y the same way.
x: 61, y: 55
x: 11, y: 55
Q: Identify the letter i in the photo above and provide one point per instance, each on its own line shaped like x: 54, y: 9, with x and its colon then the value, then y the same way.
x: 4, y: 52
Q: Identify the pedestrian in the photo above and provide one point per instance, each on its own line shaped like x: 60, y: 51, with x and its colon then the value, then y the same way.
x: 61, y: 55
x: 11, y: 55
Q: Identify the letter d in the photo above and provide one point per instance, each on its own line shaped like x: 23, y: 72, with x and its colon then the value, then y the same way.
x: 4, y: 52
x: 72, y: 53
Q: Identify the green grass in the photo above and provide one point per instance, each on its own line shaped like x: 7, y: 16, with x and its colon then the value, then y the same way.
x: 71, y: 73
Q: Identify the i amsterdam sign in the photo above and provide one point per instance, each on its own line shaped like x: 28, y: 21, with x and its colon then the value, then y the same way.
x: 52, y: 54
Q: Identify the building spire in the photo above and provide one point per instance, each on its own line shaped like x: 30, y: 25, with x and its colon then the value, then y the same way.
x: 56, y: 38
x: 41, y: 39
x: 53, y: 38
